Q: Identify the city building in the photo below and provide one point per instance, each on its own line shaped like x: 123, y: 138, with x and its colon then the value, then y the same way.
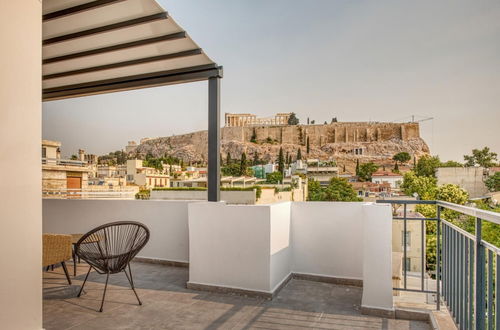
x: 61, y: 177
x: 248, y: 119
x: 370, y: 190
x: 322, y: 171
x: 471, y: 179
x: 394, y: 179
x: 147, y: 177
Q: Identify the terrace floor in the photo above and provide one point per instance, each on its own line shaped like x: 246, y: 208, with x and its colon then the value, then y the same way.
x: 167, y: 304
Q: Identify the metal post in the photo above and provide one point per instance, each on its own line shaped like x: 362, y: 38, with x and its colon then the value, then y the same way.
x: 438, y: 259
x: 214, y: 139
x: 480, y: 299
x: 404, y: 244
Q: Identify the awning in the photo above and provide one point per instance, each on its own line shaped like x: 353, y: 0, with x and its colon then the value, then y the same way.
x: 100, y: 46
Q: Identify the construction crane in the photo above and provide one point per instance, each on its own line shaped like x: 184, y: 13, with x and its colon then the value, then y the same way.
x: 420, y: 120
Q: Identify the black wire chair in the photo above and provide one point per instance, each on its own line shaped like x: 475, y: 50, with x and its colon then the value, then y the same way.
x: 109, y: 249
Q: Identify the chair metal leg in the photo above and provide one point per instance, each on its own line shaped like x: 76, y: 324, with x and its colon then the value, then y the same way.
x: 66, y: 272
x: 74, y: 263
x: 84, y: 281
x: 131, y: 281
x: 104, y: 293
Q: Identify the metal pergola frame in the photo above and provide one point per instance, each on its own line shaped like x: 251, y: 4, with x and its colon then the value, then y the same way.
x: 210, y: 72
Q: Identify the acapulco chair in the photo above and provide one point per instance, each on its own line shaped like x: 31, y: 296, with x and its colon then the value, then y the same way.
x: 109, y: 249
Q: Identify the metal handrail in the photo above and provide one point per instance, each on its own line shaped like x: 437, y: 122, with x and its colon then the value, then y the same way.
x: 468, y: 266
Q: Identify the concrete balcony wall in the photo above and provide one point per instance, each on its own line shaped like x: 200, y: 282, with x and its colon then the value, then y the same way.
x: 167, y: 221
x: 253, y: 247
x: 328, y: 239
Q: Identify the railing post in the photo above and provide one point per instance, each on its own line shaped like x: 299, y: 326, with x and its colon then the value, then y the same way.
x: 480, y: 298
x: 438, y: 259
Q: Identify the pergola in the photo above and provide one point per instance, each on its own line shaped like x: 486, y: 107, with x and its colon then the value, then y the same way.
x: 103, y: 46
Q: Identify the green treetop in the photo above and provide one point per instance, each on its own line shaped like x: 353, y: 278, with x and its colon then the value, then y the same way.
x: 483, y: 157
x: 366, y: 170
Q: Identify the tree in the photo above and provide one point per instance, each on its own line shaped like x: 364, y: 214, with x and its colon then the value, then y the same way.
x: 253, y: 139
x: 307, y: 146
x: 281, y: 161
x: 396, y: 167
x: 357, y: 167
x: 366, y: 170
x: 299, y: 154
x: 337, y: 190
x: 451, y: 163
x: 312, y: 122
x: 228, y: 159
x: 74, y: 157
x: 256, y: 159
x: 334, y: 119
x: 274, y: 177
x: 426, y: 166
x: 325, y: 123
x: 484, y: 158
x: 293, y: 120
x: 401, y: 157
x: 287, y: 158
x: 493, y: 182
x: 232, y: 169
x: 424, y: 186
x: 243, y: 164
x: 307, y: 120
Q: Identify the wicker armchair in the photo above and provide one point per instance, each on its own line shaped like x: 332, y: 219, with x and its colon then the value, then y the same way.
x: 56, y: 249
x: 109, y: 249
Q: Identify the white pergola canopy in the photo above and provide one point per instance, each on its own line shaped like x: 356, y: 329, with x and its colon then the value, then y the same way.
x: 99, y: 46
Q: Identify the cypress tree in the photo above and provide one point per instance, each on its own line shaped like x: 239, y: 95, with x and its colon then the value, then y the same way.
x: 287, y: 158
x: 228, y: 159
x: 299, y: 154
x: 357, y: 167
x: 243, y: 164
x: 256, y: 160
x: 281, y: 161
x: 307, y: 145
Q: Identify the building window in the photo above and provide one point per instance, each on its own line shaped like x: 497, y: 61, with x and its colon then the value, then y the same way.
x: 408, y: 264
x: 408, y: 238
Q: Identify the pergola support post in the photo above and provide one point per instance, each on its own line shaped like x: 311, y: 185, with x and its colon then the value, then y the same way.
x: 214, y: 139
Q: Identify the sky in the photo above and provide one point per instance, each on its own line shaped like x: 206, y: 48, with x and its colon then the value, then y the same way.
x: 350, y: 59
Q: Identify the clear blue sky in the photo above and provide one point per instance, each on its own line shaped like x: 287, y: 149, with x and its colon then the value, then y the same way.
x: 354, y: 60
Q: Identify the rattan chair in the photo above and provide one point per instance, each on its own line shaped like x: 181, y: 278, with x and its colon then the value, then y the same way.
x: 109, y: 249
x: 56, y: 249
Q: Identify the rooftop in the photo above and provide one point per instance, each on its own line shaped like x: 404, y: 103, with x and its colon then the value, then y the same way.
x: 168, y: 304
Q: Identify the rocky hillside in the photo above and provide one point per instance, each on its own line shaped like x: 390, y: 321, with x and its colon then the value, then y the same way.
x: 192, y: 147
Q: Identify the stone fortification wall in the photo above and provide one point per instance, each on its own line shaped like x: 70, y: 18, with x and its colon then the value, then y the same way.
x: 320, y: 135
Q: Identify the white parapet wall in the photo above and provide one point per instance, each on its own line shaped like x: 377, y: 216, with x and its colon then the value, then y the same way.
x: 167, y: 221
x: 328, y: 239
x: 253, y: 247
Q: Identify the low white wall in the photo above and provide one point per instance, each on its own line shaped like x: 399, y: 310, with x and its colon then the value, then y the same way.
x: 167, y: 221
x: 328, y: 239
x: 230, y: 197
x: 252, y: 247
x: 229, y: 246
x: 280, y: 244
x: 377, y: 256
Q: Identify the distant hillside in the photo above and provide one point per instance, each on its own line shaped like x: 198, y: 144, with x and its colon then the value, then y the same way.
x: 377, y: 141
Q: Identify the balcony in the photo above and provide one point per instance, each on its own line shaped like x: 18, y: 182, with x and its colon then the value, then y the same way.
x: 210, y: 264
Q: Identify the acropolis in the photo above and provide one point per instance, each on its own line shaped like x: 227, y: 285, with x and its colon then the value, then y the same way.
x: 247, y: 119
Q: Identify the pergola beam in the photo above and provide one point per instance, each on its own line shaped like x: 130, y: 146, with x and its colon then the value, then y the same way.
x: 78, y: 9
x: 133, y: 82
x: 185, y: 53
x: 127, y: 45
x: 106, y: 28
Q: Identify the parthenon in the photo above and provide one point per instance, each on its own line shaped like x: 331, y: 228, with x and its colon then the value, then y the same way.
x: 247, y: 119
